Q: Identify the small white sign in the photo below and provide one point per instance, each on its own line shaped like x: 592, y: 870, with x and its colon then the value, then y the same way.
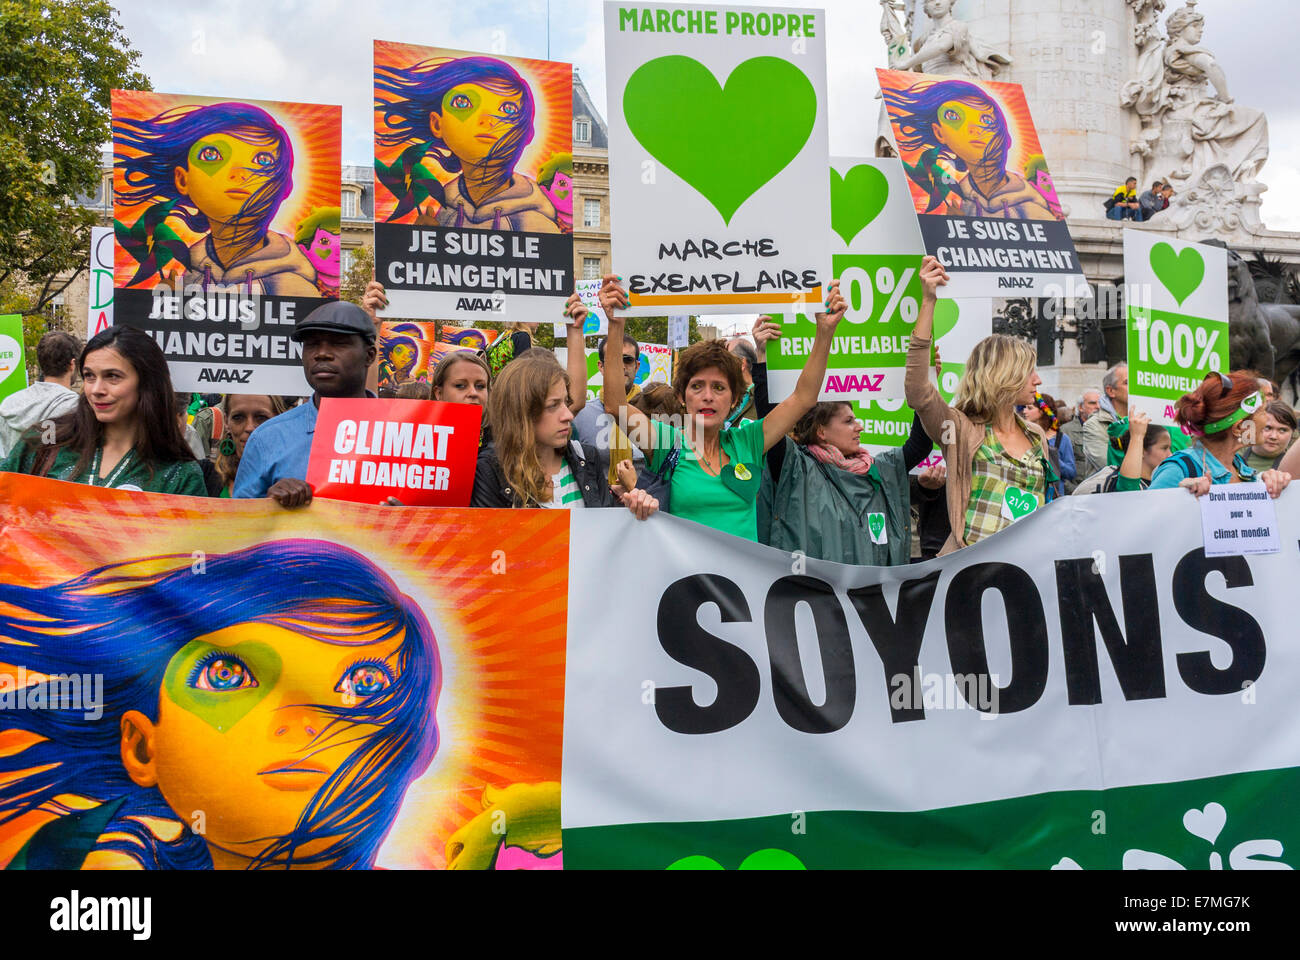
x: 679, y: 331
x: 1237, y: 519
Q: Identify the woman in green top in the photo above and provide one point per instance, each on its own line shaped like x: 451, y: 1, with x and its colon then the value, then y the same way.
x: 713, y: 471
x: 242, y: 413
x: 125, y: 430
x: 1135, y: 447
x: 1274, y: 439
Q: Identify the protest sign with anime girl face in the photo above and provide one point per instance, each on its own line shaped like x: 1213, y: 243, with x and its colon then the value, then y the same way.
x: 467, y: 142
x: 224, y: 211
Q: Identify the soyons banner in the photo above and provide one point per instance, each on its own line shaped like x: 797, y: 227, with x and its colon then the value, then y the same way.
x: 360, y: 686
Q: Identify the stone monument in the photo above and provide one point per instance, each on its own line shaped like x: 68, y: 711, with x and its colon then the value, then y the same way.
x: 1117, y: 88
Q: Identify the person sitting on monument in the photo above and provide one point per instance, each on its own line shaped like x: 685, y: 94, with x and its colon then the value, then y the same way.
x: 998, y: 466
x: 1224, y: 414
x: 1152, y: 201
x: 1123, y: 203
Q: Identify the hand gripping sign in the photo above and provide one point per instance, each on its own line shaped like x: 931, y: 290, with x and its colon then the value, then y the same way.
x: 422, y: 452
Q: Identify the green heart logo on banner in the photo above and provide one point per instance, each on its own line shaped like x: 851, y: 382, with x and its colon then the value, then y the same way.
x: 856, y: 199
x: 725, y: 141
x: 876, y: 522
x: 1019, y: 502
x: 945, y: 317
x: 1181, y: 273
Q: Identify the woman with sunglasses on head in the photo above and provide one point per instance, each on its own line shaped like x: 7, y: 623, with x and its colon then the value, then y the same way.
x: 1225, y: 415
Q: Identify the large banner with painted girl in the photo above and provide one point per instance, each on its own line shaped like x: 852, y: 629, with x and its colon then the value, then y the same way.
x: 473, y: 184
x: 981, y: 186
x: 333, y: 688
x: 226, y: 216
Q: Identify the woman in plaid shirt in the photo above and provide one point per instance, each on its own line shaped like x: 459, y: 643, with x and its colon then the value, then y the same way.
x: 998, y: 467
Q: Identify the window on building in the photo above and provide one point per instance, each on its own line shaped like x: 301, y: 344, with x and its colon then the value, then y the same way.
x: 350, y: 204
x: 345, y: 262
x: 591, y: 268
x: 106, y: 192
x: 57, y: 306
x: 591, y: 212
x: 582, y: 131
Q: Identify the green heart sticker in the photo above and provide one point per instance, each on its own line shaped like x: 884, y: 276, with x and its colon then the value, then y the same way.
x: 725, y: 141
x: 1181, y: 273
x: 945, y: 317
x: 856, y: 199
x: 876, y: 523
x: 1020, y: 503
x: 740, y: 480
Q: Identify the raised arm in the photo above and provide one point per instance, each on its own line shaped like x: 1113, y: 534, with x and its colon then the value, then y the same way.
x: 575, y: 315
x: 1130, y: 468
x: 614, y: 297
x: 809, y: 386
x: 922, y: 395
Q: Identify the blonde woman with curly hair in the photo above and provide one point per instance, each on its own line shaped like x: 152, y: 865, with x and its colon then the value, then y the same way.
x: 533, y: 460
x: 998, y: 466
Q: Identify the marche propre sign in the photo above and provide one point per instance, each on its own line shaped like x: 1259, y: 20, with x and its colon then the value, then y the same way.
x: 13, y: 365
x: 422, y: 452
x: 718, y: 152
x: 1177, y: 318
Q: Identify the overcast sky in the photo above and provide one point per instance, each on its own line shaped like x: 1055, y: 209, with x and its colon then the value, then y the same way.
x: 319, y: 51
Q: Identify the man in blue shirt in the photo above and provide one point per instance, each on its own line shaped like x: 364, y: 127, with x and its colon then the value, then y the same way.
x: 338, y: 347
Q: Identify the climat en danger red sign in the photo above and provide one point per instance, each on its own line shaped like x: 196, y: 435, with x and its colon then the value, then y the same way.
x: 422, y: 452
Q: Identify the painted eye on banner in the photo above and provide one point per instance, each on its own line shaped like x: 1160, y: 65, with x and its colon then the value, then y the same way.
x: 364, y: 680
x: 209, y: 154
x: 222, y: 672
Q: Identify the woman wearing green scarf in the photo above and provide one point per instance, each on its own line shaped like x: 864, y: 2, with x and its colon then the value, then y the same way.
x: 124, y: 431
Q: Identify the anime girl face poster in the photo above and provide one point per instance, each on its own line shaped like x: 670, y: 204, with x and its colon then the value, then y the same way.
x: 473, y: 184
x: 333, y: 690
x: 226, y: 218
x: 982, y: 188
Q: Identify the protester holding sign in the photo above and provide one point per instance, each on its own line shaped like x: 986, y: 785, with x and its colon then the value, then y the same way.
x: 714, y: 471
x: 1225, y: 413
x: 998, y: 469
x: 124, y: 432
x: 1044, y: 412
x: 831, y: 498
x: 1137, y: 447
x: 461, y: 377
x: 338, y: 348
x: 533, y: 462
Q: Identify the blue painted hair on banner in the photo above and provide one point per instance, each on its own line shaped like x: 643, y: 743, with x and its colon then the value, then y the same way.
x: 915, y: 113
x: 150, y: 151
x: 127, y: 625
x: 413, y: 93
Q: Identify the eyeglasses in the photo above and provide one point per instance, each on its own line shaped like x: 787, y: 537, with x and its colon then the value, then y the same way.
x: 629, y: 361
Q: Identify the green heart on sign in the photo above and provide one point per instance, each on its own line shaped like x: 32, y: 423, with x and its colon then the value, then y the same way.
x: 856, y: 199
x: 945, y: 317
x: 1181, y: 273
x: 728, y: 141
x: 876, y: 521
x: 1021, y: 503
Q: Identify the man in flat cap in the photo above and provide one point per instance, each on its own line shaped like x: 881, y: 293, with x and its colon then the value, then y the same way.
x: 338, y: 347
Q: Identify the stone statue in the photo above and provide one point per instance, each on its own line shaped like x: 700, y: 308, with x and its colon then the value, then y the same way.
x: 947, y: 47
x: 947, y: 39
x: 1193, y: 134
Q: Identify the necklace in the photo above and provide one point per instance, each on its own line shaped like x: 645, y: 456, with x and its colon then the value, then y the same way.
x: 704, y: 461
x: 115, y: 474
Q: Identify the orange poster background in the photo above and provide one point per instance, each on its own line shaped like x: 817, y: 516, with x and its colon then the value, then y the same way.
x: 552, y: 86
x: 317, y: 134
x: 493, y: 583
x: 1011, y: 98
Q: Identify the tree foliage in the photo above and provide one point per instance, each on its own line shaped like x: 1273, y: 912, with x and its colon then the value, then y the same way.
x: 58, y: 63
x: 353, y: 283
